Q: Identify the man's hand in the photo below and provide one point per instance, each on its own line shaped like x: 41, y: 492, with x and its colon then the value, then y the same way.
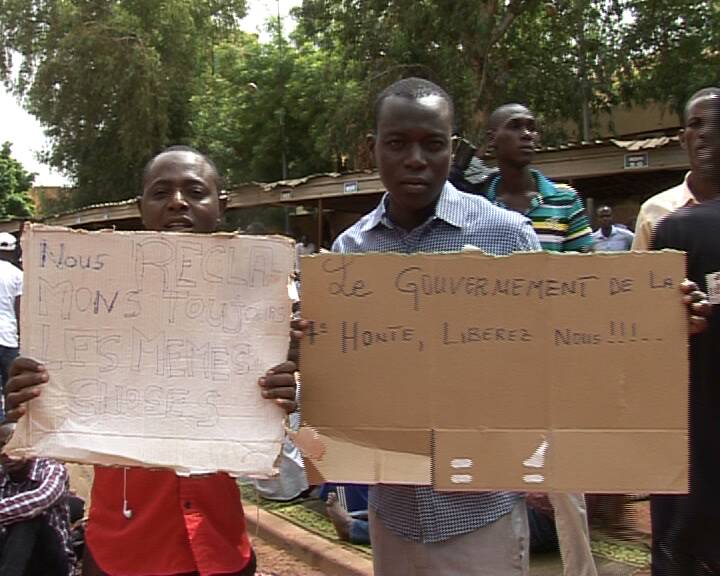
x: 699, y: 308
x: 298, y: 328
x: 278, y: 385
x: 25, y: 378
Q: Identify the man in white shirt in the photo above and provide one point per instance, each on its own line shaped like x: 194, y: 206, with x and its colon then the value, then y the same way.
x: 696, y: 186
x: 10, y: 291
x: 608, y: 237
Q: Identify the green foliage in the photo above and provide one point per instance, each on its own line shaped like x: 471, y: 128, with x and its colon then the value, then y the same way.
x: 115, y: 82
x: 15, y: 183
x: 111, y: 81
x: 673, y: 49
x: 560, y: 58
x: 261, y: 100
x: 446, y: 41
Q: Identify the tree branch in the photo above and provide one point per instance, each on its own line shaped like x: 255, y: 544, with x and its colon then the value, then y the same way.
x: 514, y: 9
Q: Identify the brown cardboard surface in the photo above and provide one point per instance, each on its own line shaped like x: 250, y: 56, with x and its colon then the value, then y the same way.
x: 469, y: 359
x: 154, y: 343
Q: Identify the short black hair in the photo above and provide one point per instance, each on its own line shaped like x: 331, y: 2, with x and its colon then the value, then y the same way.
x: 219, y: 184
x: 412, y: 88
x: 501, y: 113
x: 699, y: 95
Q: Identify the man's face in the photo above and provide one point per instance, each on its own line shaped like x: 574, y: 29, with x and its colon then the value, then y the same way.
x: 180, y: 194
x: 412, y: 150
x: 515, y: 138
x: 701, y: 137
x: 605, y: 218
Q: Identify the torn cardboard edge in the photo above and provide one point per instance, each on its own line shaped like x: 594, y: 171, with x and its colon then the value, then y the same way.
x: 459, y: 461
x: 480, y: 406
x: 56, y: 254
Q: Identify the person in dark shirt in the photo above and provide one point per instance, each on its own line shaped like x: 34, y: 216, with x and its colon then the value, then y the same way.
x: 694, y: 520
x: 686, y: 529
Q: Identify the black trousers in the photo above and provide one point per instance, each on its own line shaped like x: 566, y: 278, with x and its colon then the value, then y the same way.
x: 681, y: 538
x: 32, y: 548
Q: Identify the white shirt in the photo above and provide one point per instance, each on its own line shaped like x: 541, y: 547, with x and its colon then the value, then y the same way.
x: 657, y: 207
x: 619, y: 239
x: 11, y: 281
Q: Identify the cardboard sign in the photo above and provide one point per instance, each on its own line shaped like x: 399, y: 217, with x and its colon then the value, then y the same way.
x: 469, y: 372
x: 154, y: 343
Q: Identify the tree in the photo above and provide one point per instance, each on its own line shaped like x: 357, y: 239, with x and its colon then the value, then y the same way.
x: 15, y: 183
x: 111, y: 81
x: 274, y: 110
x: 673, y: 49
x: 446, y: 41
x: 562, y: 61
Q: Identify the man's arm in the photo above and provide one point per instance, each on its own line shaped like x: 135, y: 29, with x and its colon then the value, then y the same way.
x: 30, y: 504
x: 643, y: 232
x: 18, y: 294
x: 696, y: 302
x: 17, y: 311
x: 579, y: 234
x: 526, y: 239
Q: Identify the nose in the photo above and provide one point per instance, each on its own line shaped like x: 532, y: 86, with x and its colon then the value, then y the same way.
x: 415, y: 157
x: 177, y: 200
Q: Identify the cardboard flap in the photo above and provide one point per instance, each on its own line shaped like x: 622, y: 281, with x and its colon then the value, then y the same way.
x: 560, y: 460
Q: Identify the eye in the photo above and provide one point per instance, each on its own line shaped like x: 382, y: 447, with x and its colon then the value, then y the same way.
x: 159, y: 192
x: 394, y: 144
x: 435, y: 145
x: 198, y: 192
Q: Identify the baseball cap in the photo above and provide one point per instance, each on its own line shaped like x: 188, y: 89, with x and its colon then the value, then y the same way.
x: 7, y: 241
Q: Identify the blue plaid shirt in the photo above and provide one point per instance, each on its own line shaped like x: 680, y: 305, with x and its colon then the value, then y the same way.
x: 419, y: 513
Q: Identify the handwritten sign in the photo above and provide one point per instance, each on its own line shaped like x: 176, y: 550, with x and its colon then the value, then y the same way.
x: 154, y: 343
x: 534, y: 371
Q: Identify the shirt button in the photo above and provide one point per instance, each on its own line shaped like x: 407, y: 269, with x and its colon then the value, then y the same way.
x: 188, y: 504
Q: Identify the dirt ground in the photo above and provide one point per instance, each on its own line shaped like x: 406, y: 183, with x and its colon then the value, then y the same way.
x: 273, y: 561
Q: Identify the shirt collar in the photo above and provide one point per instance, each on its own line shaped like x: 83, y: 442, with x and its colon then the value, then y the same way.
x: 613, y: 230
x: 687, y: 198
x: 544, y: 186
x: 448, y: 209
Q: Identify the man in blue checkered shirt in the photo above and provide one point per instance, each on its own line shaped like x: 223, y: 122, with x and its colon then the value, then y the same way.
x: 416, y: 531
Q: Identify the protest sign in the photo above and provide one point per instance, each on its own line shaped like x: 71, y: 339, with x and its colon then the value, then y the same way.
x: 469, y: 372
x: 154, y: 343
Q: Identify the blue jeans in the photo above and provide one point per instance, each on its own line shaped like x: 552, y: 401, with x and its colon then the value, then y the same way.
x: 359, y: 529
x: 7, y: 355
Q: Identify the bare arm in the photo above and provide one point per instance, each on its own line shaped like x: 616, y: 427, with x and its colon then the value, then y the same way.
x: 17, y: 311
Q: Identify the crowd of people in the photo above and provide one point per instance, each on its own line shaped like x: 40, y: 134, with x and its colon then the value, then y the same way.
x: 195, y: 525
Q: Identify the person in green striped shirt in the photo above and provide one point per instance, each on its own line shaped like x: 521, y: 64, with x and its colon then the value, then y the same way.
x: 556, y: 210
x: 558, y: 217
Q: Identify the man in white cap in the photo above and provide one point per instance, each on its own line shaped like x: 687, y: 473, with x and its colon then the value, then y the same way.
x: 11, y: 281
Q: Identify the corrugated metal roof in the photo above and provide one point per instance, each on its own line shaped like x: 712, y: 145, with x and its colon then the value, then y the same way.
x: 645, y: 143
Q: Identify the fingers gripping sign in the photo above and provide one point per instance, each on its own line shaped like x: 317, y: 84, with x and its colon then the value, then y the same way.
x: 26, y: 378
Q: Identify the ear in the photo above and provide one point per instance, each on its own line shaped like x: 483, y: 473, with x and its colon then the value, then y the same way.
x: 683, y: 142
x: 223, y: 200
x: 138, y: 203
x: 489, y: 139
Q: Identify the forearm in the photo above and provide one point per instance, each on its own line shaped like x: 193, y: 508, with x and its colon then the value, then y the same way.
x: 33, y: 502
